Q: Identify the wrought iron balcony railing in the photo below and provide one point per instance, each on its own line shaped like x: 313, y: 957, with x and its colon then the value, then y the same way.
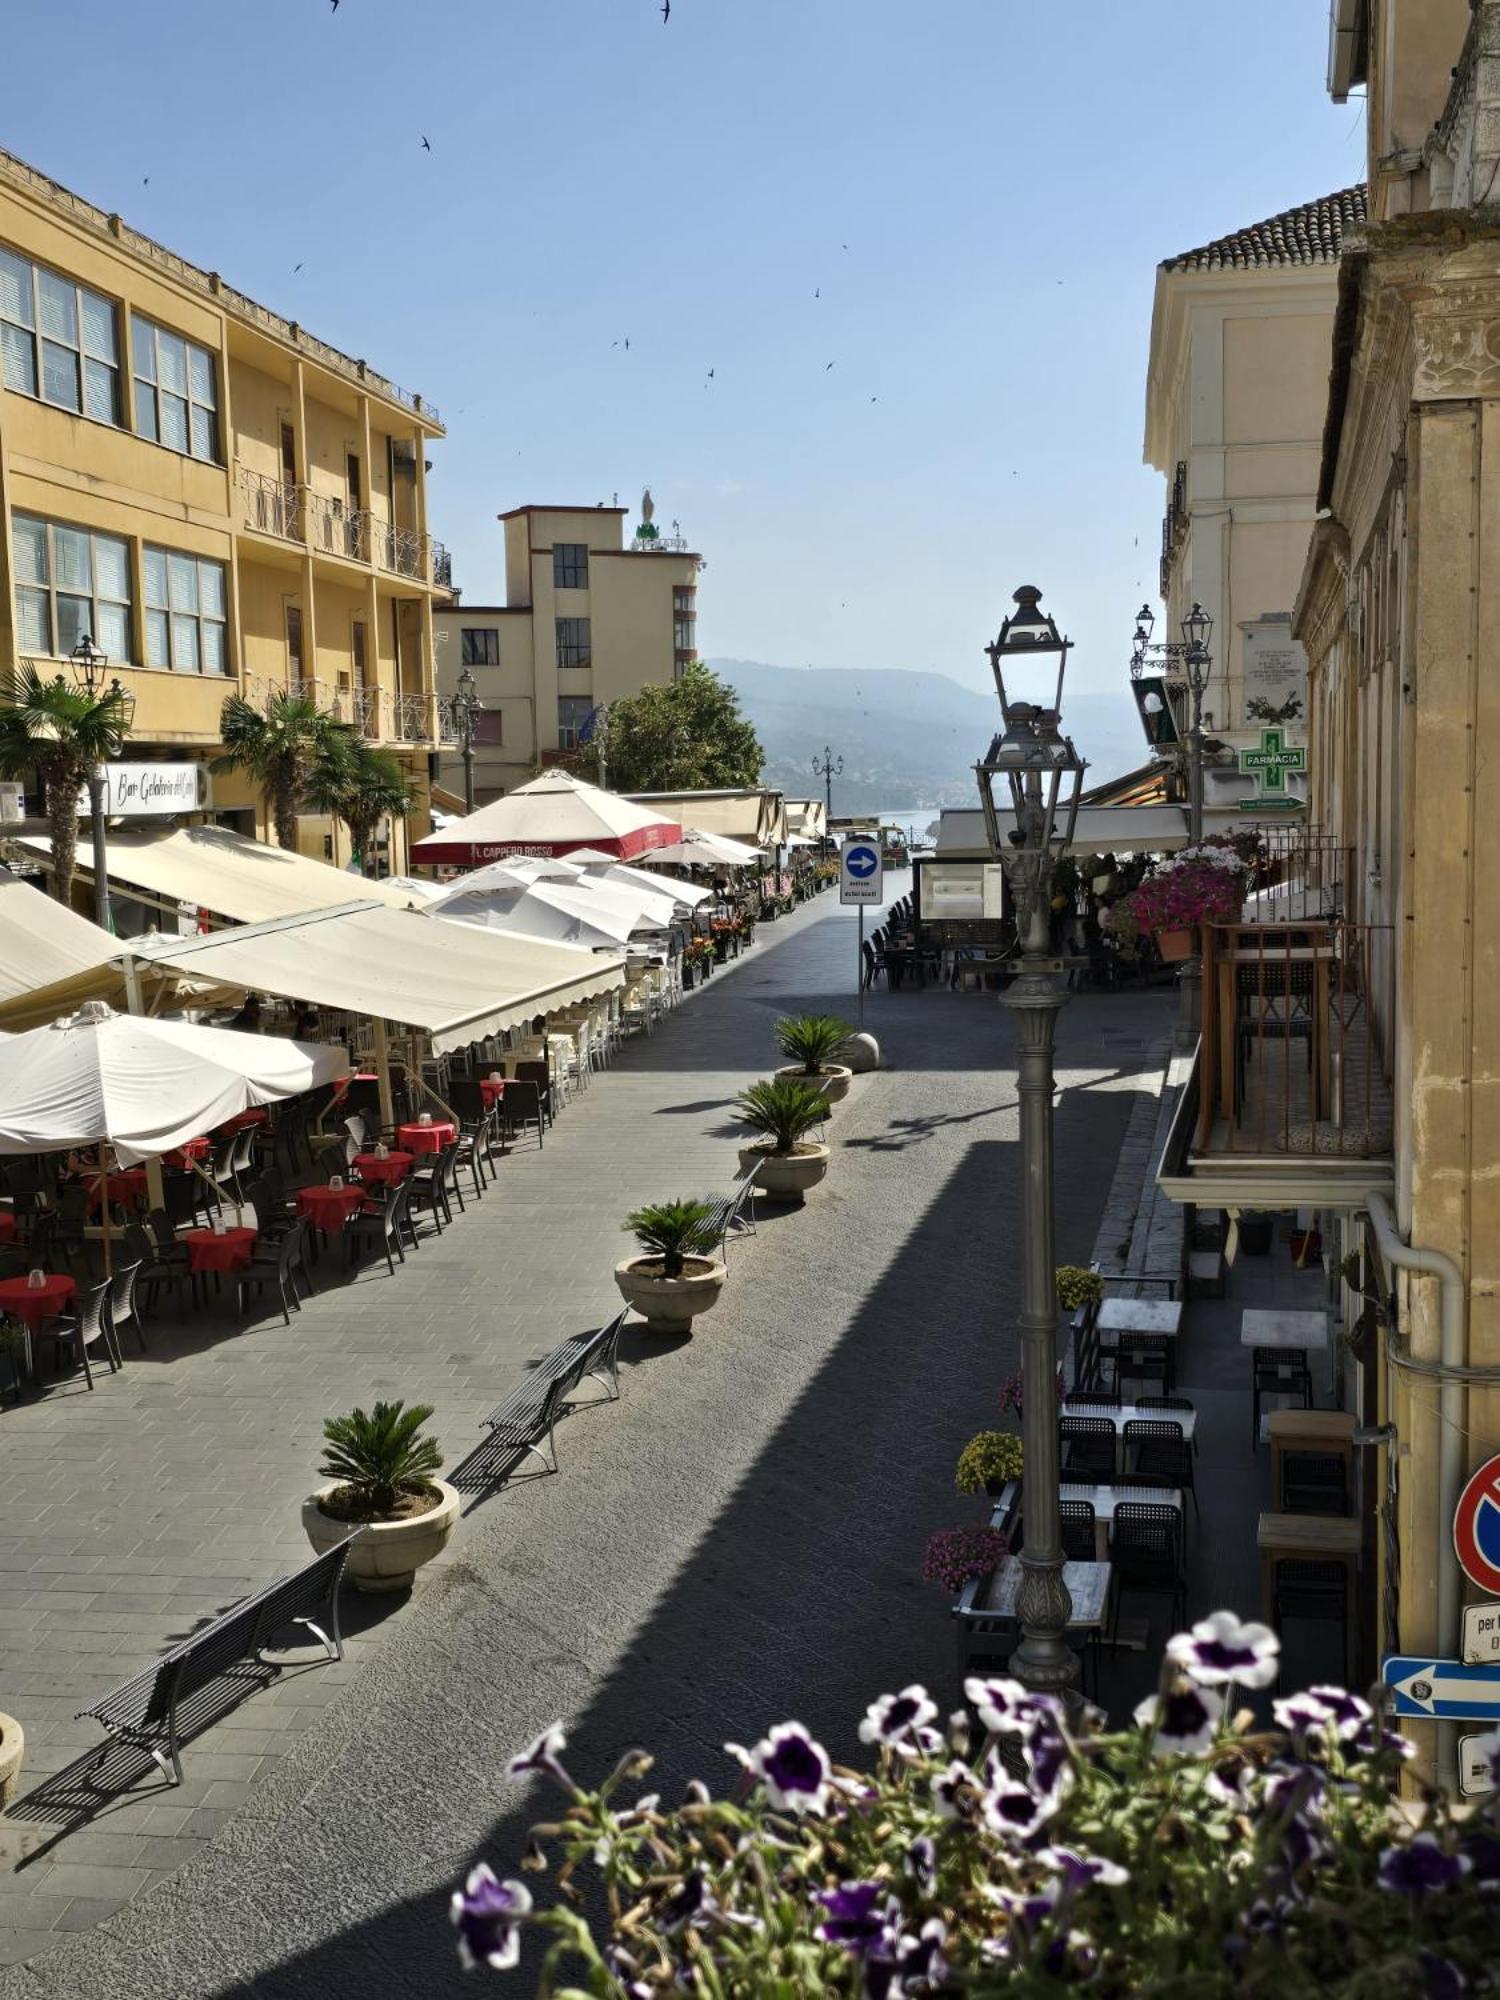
x: 270, y: 506
x: 335, y: 529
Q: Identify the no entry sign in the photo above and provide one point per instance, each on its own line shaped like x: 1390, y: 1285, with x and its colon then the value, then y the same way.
x: 1476, y: 1528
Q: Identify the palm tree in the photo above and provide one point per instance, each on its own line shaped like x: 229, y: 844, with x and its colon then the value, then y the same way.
x: 369, y: 787
x: 61, y: 731
x: 294, y: 751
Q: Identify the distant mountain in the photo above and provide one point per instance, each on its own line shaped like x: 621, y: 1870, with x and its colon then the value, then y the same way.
x: 907, y: 739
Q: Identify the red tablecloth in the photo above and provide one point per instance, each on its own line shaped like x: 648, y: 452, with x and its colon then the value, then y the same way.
x: 194, y: 1149
x: 256, y: 1115
x: 7, y: 1225
x: 329, y: 1208
x: 427, y: 1138
x: 126, y: 1185
x: 489, y: 1091
x: 210, y: 1252
x: 394, y: 1167
x: 18, y: 1299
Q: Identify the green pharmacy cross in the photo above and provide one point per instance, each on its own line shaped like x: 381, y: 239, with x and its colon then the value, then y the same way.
x: 1270, y: 766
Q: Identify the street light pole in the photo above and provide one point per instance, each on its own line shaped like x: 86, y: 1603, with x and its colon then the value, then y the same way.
x: 1044, y: 775
x: 467, y: 705
x: 828, y: 770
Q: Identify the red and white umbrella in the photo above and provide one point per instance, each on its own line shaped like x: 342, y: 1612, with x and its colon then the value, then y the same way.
x: 552, y: 815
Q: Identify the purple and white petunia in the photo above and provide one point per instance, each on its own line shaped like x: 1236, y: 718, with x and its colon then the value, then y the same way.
x: 1221, y: 1649
x: 894, y: 1717
x: 1009, y: 1709
x: 487, y: 1913
x: 859, y: 1917
x: 793, y: 1767
x: 1183, y: 1722
x: 909, y: 1966
x: 921, y: 1863
x: 1075, y: 1871
x: 542, y: 1755
x: 1015, y: 1810
x: 1420, y: 1865
x: 691, y: 1904
x: 953, y: 1790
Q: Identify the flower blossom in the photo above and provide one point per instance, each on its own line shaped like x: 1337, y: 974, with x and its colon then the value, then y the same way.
x: 1184, y: 1721
x: 542, y: 1755
x: 895, y: 1717
x: 487, y: 1913
x: 1221, y: 1649
x: 1421, y: 1864
x: 793, y: 1768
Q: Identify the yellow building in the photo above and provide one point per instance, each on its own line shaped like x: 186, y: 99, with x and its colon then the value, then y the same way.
x: 588, y: 617
x: 225, y: 503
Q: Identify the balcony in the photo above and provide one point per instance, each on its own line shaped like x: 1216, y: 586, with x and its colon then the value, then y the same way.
x: 333, y: 529
x: 323, y: 523
x: 269, y: 506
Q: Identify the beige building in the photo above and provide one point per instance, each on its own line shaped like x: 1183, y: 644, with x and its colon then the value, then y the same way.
x: 588, y: 617
x: 1236, y: 389
x: 224, y: 502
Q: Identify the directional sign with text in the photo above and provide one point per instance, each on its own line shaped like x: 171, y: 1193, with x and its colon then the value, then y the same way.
x: 1442, y: 1689
x: 860, y: 872
x: 1476, y: 1527
x: 1481, y: 1634
x: 1478, y: 1758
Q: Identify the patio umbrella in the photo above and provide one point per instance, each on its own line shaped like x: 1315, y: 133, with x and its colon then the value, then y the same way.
x: 516, y: 870
x: 562, y: 912
x: 551, y: 815
x: 698, y: 849
x: 604, y: 868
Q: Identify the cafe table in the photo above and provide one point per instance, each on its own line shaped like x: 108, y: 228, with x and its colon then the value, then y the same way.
x: 1105, y: 1499
x: 420, y: 1138
x: 1131, y: 1413
x: 1272, y: 1328
x: 328, y: 1209
x: 987, y: 1604
x: 34, y: 1305
x: 491, y: 1089
x: 383, y: 1169
x: 256, y: 1115
x: 187, y: 1152
x: 217, y: 1250
x: 125, y: 1185
x: 1312, y: 1538
x: 1329, y: 1431
x: 1117, y: 1316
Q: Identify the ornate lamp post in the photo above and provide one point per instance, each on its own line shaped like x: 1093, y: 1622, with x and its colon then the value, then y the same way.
x: 828, y: 770
x: 1193, y: 663
x: 467, y: 709
x: 89, y: 663
x: 1043, y: 774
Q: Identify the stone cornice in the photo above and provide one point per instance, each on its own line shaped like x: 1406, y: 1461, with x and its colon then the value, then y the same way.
x: 1319, y: 610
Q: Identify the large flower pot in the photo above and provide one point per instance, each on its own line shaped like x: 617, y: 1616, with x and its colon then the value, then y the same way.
x: 785, y: 1176
x: 12, y: 1750
x: 1174, y: 946
x: 388, y: 1554
x: 833, y: 1077
x: 670, y: 1305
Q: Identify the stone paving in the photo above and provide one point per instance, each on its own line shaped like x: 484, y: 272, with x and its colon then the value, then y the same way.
x: 738, y: 1539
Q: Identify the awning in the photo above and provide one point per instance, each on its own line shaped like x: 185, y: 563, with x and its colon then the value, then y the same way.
x: 454, y: 982
x: 552, y: 815
x: 45, y: 948
x: 701, y: 849
x: 212, y: 868
x: 1100, y: 830
x: 750, y: 813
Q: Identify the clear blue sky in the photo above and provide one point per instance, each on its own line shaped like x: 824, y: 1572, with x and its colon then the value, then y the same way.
x: 979, y: 190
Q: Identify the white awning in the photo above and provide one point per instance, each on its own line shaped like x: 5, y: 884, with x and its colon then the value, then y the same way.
x: 550, y: 815
x: 213, y: 868
x: 1100, y: 830
x: 45, y: 946
x: 455, y: 982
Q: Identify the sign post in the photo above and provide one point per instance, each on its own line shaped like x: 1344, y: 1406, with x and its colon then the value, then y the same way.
x: 861, y: 875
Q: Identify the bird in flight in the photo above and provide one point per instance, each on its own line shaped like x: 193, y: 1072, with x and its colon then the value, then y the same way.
x: 825, y: 371
x: 146, y: 182
x: 710, y: 374
x: 335, y: 6
x: 666, y: 11
x: 426, y: 143
x: 295, y: 269
x: 818, y: 292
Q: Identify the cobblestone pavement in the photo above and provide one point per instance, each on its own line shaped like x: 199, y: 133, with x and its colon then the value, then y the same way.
x: 737, y: 1540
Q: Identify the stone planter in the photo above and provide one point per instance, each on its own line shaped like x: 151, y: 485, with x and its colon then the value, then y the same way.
x: 1174, y: 946
x: 834, y: 1078
x: 12, y: 1750
x: 388, y: 1554
x: 670, y: 1305
x: 786, y: 1176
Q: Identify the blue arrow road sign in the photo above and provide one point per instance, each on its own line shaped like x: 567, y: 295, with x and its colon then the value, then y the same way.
x: 861, y: 862
x: 1442, y: 1688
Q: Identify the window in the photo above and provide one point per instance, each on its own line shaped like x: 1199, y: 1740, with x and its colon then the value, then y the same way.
x: 294, y: 641
x: 573, y: 711
x: 58, y: 340
x: 358, y: 648
x: 176, y: 402
x: 70, y: 582
x: 185, y: 612
x: 573, y: 647
x: 479, y: 646
x: 570, y: 566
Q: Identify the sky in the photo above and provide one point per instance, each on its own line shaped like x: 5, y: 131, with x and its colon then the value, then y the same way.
x: 914, y: 241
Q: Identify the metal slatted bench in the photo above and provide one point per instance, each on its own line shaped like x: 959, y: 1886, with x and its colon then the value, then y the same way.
x: 520, y: 1426
x: 735, y: 1213
x: 152, y: 1709
x: 590, y: 1357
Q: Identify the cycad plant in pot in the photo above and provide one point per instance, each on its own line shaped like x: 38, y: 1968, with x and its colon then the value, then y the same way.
x: 810, y: 1042
x: 784, y: 1109
x: 380, y: 1471
x: 677, y: 1276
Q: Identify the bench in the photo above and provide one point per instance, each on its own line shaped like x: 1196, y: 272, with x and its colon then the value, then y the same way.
x: 527, y: 1419
x: 735, y: 1213
x: 147, y: 1711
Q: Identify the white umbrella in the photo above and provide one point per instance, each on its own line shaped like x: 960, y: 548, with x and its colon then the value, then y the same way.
x: 552, y: 814
x: 143, y: 1086
x: 604, y: 868
x: 697, y: 849
x: 517, y: 870
x: 545, y: 910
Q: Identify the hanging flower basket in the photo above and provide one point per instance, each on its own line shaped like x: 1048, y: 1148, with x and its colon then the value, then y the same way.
x: 1201, y: 885
x: 1174, y: 945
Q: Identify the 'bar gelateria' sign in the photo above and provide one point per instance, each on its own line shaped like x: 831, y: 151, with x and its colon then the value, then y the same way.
x: 152, y: 791
x: 1275, y: 671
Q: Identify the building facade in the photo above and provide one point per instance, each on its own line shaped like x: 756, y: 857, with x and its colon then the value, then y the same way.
x: 224, y: 503
x: 588, y: 617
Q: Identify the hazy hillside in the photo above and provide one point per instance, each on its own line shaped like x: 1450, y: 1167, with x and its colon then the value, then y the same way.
x: 907, y: 739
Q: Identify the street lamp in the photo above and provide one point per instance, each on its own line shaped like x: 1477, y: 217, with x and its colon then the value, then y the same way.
x: 828, y: 770
x: 1043, y: 774
x: 467, y: 709
x: 89, y: 664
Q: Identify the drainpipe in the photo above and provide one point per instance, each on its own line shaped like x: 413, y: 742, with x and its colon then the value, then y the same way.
x: 1435, y: 1264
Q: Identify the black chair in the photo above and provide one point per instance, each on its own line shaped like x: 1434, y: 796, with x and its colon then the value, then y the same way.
x: 70, y: 1219
x: 470, y: 1152
x: 86, y: 1328
x: 382, y: 1225
x: 1313, y: 1482
x: 1093, y: 1399
x: 186, y: 1198
x: 874, y: 966
x: 1273, y: 1001
x: 1146, y: 1549
x: 431, y: 1183
x: 522, y: 1105
x: 1184, y: 1404
x: 122, y: 1303
x: 1161, y: 1454
x: 1078, y: 1529
x: 540, y: 1074
x: 163, y: 1259
x: 1303, y: 1588
x: 276, y: 1265
x: 37, y: 1252
x: 1146, y: 1357
x: 1089, y: 1447
x: 1277, y: 1371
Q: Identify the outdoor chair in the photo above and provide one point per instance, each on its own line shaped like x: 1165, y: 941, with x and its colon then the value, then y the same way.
x: 1094, y: 1399
x: 1089, y: 1447
x: 1145, y: 1357
x: 875, y: 966
x: 185, y: 1197
x: 87, y: 1328
x: 70, y: 1218
x: 1181, y: 1403
x: 1146, y: 1549
x: 164, y: 1260
x: 1304, y: 1588
x: 381, y: 1225
x: 1156, y: 1451
x: 1078, y: 1528
x: 429, y: 1183
x: 123, y: 1310
x: 540, y: 1074
x: 36, y: 1252
x: 1277, y: 1371
x: 470, y: 1152
x: 276, y: 1265
x: 1313, y: 1482
x: 523, y: 1108
x: 1273, y: 1001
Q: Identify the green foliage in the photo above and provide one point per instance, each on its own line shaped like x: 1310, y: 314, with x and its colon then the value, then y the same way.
x: 1077, y: 1287
x: 368, y: 785
x: 680, y: 736
x: 379, y: 1457
x: 60, y: 731
x: 298, y: 755
x: 783, y: 1108
x: 988, y: 1459
x: 811, y: 1039
x: 673, y: 1231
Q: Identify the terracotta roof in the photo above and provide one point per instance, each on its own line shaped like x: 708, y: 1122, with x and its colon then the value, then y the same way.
x: 1311, y: 234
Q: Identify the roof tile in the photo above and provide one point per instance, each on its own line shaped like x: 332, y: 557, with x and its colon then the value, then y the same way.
x: 1311, y: 234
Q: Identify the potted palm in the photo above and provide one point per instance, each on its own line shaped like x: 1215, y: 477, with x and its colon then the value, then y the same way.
x: 677, y: 1276
x: 810, y: 1042
x: 785, y: 1162
x: 379, y: 1471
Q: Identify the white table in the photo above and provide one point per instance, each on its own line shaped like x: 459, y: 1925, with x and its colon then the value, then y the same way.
x: 1131, y: 1413
x: 1262, y: 1328
x: 1105, y: 1499
x: 1119, y: 1316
